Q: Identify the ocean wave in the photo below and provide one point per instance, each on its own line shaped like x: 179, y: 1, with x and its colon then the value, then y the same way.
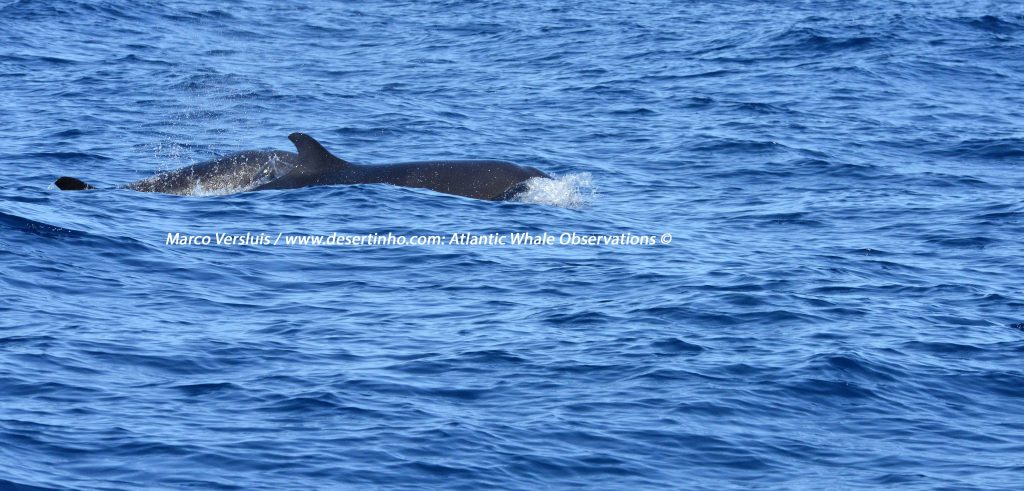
x: 42, y: 229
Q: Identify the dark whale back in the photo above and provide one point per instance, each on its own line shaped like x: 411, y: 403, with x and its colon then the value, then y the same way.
x: 481, y: 179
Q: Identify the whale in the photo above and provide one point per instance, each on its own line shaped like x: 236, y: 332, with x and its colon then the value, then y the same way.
x: 236, y: 172
x: 493, y: 180
x: 313, y: 165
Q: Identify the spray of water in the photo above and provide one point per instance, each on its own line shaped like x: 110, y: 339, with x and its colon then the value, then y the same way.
x: 574, y: 190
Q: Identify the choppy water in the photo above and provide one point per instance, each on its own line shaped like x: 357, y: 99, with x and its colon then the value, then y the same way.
x: 840, y: 306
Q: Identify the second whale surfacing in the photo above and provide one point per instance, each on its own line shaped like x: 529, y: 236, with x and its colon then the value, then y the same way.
x: 232, y: 173
x: 481, y: 179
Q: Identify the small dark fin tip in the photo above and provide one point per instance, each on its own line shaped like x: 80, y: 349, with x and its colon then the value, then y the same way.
x: 71, y: 184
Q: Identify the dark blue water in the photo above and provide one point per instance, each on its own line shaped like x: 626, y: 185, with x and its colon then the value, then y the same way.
x: 841, y: 305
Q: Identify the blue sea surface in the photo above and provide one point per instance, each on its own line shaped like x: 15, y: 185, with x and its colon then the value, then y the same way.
x: 840, y: 305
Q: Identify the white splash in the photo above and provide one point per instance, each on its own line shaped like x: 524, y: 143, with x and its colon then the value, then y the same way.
x: 569, y: 191
x: 205, y: 190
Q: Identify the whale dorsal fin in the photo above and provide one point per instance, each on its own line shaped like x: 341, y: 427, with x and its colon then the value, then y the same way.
x: 313, y: 156
x: 314, y: 165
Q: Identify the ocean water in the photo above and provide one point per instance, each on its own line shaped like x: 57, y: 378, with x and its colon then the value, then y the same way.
x: 840, y: 305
